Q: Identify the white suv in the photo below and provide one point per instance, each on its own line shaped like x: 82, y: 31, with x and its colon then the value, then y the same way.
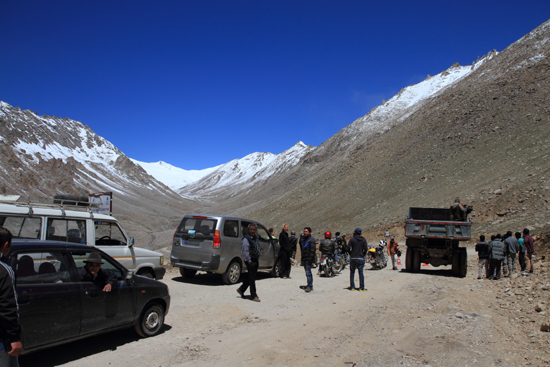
x: 54, y: 222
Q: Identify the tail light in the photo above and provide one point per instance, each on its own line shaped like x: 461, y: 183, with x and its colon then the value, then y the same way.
x: 217, y: 240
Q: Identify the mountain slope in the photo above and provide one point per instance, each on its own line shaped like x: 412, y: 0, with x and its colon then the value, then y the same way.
x: 484, y: 138
x: 48, y: 155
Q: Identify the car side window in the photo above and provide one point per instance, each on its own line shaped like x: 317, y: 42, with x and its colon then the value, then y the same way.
x: 22, y: 227
x: 40, y: 267
x: 231, y: 228
x: 108, y: 234
x: 66, y: 230
x: 262, y: 233
x: 79, y: 258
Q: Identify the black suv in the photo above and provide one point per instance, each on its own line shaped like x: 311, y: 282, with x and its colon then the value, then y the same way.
x: 56, y: 306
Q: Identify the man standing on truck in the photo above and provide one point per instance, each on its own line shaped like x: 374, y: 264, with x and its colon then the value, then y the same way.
x: 358, y: 249
x: 10, y: 330
x: 457, y: 210
x: 307, y: 247
x: 251, y: 254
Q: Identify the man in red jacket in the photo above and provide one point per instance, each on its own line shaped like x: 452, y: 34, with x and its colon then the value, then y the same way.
x: 529, y: 244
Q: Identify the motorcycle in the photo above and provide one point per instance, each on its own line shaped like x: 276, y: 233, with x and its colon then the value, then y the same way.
x: 326, y: 265
x: 377, y: 258
x: 343, y: 260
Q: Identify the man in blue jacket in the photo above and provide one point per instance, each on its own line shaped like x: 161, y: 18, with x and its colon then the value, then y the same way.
x: 358, y: 249
x: 307, y: 247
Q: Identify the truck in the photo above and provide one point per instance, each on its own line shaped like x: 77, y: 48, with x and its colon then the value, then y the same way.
x: 75, y: 221
x: 433, y: 237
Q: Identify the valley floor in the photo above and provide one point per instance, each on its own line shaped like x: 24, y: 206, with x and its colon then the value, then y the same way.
x: 428, y: 318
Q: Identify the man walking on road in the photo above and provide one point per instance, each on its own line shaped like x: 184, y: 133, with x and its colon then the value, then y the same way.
x: 358, y: 249
x: 10, y: 330
x: 251, y: 254
x: 307, y: 247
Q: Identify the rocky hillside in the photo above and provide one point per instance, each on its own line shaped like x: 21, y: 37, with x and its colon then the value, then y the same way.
x: 46, y: 155
x: 484, y: 138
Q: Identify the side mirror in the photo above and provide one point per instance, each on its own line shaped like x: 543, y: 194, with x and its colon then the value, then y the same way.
x: 129, y: 276
x: 131, y: 242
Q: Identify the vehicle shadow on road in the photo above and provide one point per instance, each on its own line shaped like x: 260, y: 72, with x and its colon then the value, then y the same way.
x: 437, y: 272
x: 83, y: 348
x: 211, y: 279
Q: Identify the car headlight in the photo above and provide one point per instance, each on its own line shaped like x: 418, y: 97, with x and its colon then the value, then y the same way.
x: 162, y: 260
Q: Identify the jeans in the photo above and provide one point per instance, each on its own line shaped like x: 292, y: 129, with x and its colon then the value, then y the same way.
x: 522, y: 263
x: 356, y: 264
x: 509, y: 264
x: 8, y: 361
x: 309, y: 276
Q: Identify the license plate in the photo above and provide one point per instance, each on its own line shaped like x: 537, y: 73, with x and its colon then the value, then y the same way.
x: 193, y: 241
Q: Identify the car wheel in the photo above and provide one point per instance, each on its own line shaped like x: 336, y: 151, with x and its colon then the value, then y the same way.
x: 232, y: 274
x: 147, y: 273
x: 277, y: 268
x: 151, y: 320
x: 187, y: 273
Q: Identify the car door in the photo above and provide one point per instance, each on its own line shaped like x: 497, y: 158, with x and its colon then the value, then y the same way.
x: 48, y: 295
x: 266, y: 247
x: 104, y: 310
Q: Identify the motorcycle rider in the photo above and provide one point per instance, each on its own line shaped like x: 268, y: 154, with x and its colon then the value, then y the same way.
x: 327, y: 247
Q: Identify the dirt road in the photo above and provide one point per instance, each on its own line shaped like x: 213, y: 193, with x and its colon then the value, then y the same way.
x: 428, y: 318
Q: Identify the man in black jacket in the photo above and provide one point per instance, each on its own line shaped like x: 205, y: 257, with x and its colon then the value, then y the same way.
x: 358, y: 249
x: 307, y: 247
x: 286, y: 249
x: 10, y: 330
x: 482, y: 249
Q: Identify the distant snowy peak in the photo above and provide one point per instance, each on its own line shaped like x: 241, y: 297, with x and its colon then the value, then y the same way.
x: 245, y: 172
x: 172, y: 176
x: 408, y: 100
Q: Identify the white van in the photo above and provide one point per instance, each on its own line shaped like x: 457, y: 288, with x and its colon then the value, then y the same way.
x: 55, y: 222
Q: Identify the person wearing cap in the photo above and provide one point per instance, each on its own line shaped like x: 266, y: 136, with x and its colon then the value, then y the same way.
x: 358, y: 249
x: 393, y: 248
x: 92, y: 272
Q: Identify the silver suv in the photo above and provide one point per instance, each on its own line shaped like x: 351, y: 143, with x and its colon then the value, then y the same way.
x: 213, y: 243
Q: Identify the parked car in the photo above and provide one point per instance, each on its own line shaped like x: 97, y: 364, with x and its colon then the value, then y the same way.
x: 72, y: 223
x: 56, y: 306
x: 213, y: 243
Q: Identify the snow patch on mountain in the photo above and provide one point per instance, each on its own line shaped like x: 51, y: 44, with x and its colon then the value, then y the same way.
x: 172, y: 176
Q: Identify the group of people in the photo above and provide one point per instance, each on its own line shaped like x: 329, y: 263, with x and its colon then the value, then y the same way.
x: 498, y: 257
x: 357, y: 247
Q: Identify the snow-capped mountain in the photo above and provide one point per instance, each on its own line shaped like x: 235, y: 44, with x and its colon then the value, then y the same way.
x: 239, y: 175
x: 172, y: 176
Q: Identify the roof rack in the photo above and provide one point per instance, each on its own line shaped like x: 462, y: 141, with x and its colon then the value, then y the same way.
x: 72, y: 202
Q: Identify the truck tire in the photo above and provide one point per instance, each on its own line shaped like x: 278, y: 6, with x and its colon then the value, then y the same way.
x: 463, y: 262
x: 409, y: 259
x: 232, y: 274
x: 416, y: 261
x: 455, y: 265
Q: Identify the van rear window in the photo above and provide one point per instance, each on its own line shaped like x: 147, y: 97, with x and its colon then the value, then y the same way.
x: 197, y: 226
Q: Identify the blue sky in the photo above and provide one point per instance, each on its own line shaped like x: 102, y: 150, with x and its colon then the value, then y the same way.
x: 198, y: 83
